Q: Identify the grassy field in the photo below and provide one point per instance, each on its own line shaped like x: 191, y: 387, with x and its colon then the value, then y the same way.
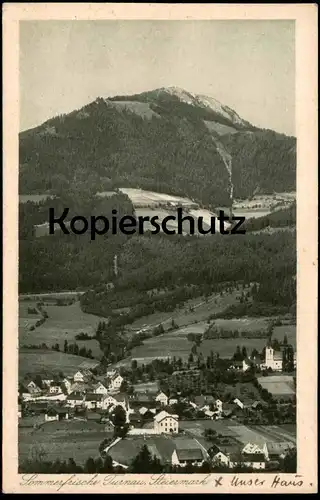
x: 258, y: 434
x: 278, y: 385
x: 243, y: 324
x: 289, y: 330
x: 48, y: 362
x: 227, y: 347
x: 63, y: 323
x: 192, y: 318
x: 193, y: 311
x: 68, y: 439
x: 142, y: 198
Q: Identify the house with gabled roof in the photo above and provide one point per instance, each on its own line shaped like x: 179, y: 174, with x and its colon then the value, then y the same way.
x: 33, y: 389
x: 93, y: 401
x: 56, y: 414
x: 75, y: 399
x: 188, y: 451
x: 114, y: 382
x: 55, y: 388
x: 84, y: 375
x: 254, y: 460
x: 99, y: 388
x: 162, y: 398
x: 166, y: 423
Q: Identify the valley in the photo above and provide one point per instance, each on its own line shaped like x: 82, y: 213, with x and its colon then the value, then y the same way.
x: 208, y: 323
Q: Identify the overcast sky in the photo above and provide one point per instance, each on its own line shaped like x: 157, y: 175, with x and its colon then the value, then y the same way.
x: 247, y: 65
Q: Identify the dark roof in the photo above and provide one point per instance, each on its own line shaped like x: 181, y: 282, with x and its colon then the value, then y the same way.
x: 93, y: 397
x: 75, y: 396
x: 134, y: 416
x: 37, y: 405
x: 253, y: 457
x: 120, y: 397
x: 57, y: 411
x: 193, y: 454
x: 279, y: 448
x: 236, y: 362
x: 204, y: 400
x: 143, y: 397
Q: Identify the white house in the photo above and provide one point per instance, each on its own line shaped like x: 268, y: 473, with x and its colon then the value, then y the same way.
x: 254, y: 461
x: 55, y: 388
x: 109, y: 400
x: 252, y: 448
x: 165, y: 423
x: 114, y: 382
x: 209, y: 413
x: 51, y: 415
x: 188, y: 451
x: 218, y: 404
x: 33, y: 388
x: 56, y: 414
x: 221, y: 458
x: 239, y: 403
x: 245, y: 365
x: 173, y: 401
x: 99, y: 388
x: 93, y: 401
x: 82, y: 376
x: 162, y: 398
x: 47, y: 382
x: 78, y: 377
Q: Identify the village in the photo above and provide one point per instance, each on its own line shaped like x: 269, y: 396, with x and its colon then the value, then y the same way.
x: 181, y: 422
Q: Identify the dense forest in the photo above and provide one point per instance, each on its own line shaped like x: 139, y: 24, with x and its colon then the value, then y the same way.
x: 104, y: 146
x: 282, y: 218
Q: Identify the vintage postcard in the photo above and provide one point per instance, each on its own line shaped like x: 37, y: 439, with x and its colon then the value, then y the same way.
x: 160, y: 248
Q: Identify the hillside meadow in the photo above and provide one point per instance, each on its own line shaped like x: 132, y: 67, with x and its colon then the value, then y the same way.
x: 63, y: 324
x: 44, y: 362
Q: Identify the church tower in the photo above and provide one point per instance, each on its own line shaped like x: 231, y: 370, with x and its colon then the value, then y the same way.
x: 269, y: 357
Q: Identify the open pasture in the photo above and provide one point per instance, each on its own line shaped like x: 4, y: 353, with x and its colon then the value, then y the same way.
x: 63, y: 324
x: 258, y: 434
x: 227, y: 347
x: 188, y: 314
x: 278, y: 385
x: 289, y: 330
x: 44, y: 362
x: 67, y: 439
x: 246, y: 324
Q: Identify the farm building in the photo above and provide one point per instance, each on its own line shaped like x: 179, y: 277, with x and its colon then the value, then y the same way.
x: 56, y: 414
x: 188, y: 452
x: 275, y: 451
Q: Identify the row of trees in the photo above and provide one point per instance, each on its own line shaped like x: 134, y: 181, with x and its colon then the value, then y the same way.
x: 143, y: 463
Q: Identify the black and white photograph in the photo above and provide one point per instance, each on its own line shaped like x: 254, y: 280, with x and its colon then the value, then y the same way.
x: 157, y: 232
